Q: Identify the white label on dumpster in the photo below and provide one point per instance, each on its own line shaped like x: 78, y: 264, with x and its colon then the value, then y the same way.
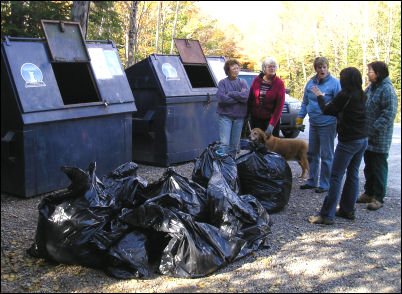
x: 113, y: 63
x: 99, y: 64
x: 169, y: 71
x: 32, y: 75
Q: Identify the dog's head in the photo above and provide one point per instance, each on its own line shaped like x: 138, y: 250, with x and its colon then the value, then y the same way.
x: 257, y: 136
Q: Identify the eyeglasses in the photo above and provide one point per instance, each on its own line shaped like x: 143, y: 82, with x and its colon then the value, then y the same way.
x: 270, y: 66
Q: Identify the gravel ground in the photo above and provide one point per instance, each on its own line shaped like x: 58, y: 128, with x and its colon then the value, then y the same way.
x: 350, y: 256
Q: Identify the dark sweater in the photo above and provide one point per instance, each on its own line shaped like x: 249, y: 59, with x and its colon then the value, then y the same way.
x: 351, y: 123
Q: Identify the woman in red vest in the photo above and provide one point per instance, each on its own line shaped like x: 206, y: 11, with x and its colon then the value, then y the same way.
x: 266, y: 99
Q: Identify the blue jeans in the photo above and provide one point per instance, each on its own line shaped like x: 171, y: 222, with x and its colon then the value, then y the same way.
x: 348, y: 156
x: 320, y: 146
x: 229, y: 133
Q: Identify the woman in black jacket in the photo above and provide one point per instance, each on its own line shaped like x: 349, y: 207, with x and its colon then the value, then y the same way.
x: 349, y: 107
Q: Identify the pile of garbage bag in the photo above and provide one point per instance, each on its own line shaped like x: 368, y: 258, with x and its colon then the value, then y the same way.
x: 177, y: 226
x: 265, y: 175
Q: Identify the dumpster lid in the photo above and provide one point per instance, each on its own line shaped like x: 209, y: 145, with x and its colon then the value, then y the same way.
x: 65, y: 41
x: 190, y: 51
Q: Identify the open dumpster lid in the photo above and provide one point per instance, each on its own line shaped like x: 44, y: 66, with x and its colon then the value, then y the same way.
x: 65, y: 41
x: 190, y: 51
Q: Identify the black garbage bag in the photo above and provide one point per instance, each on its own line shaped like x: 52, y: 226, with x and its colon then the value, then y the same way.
x: 79, y: 226
x: 265, y: 175
x: 203, y: 168
x: 128, y: 258
x: 194, y: 249
x: 236, y: 226
x: 241, y: 216
x: 191, y: 197
x: 124, y: 183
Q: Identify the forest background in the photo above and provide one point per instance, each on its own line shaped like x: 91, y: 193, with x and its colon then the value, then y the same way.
x: 352, y: 33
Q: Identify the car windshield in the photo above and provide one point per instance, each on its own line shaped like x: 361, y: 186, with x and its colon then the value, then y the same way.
x: 248, y: 78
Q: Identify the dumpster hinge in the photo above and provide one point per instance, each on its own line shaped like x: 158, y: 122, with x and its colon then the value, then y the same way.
x: 62, y: 26
x: 7, y: 40
x: 111, y: 42
x: 208, y: 98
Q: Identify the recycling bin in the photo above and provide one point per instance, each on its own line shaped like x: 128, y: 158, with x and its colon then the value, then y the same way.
x: 176, y: 100
x: 64, y: 102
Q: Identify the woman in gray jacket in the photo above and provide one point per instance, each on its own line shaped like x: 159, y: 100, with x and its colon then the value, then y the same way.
x: 232, y: 98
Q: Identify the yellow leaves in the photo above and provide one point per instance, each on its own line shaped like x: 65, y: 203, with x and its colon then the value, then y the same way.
x: 9, y: 277
x: 200, y: 285
x: 349, y: 235
x: 274, y: 285
x: 265, y: 259
x: 39, y: 261
x: 33, y: 288
x: 223, y: 278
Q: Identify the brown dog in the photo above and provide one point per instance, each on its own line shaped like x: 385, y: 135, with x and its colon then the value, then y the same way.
x: 290, y: 149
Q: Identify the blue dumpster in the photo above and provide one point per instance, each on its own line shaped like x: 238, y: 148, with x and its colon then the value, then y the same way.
x: 64, y: 102
x: 176, y: 100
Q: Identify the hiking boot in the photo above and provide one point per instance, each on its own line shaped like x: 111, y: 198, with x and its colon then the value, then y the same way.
x: 320, y: 220
x: 374, y: 205
x: 349, y: 215
x: 321, y: 190
x: 364, y: 198
x: 306, y: 186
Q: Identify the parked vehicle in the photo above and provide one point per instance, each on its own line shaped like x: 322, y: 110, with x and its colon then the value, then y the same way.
x: 290, y: 109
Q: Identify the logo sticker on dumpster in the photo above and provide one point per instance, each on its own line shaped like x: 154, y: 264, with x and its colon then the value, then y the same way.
x: 32, y: 75
x: 169, y: 71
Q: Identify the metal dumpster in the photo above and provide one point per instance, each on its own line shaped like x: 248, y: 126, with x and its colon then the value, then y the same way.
x: 176, y: 100
x: 64, y: 102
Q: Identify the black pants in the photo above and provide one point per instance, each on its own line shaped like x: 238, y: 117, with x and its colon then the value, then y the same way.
x: 376, y: 174
x: 263, y: 124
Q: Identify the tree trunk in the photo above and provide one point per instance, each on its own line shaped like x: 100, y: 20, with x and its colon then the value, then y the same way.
x: 80, y: 13
x: 390, y: 31
x: 288, y: 60
x: 132, y: 32
x: 163, y: 30
x: 364, y: 38
x: 157, y: 27
x: 174, y: 26
x: 316, y: 45
x: 143, y: 13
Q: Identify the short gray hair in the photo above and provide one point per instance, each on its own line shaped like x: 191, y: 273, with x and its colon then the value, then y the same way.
x: 267, y: 61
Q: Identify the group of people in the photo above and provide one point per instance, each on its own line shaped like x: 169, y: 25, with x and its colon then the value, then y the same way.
x: 363, y: 120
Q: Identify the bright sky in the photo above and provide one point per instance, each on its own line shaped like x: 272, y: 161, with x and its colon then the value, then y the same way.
x: 252, y: 18
x: 240, y: 13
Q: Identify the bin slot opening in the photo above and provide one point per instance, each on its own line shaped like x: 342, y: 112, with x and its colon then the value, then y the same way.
x: 76, y: 83
x: 199, y: 76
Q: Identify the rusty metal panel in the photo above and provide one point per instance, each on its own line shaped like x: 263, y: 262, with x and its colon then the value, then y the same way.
x: 65, y: 41
x: 190, y: 51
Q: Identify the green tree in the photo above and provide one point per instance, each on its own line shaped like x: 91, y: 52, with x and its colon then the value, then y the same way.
x: 22, y: 18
